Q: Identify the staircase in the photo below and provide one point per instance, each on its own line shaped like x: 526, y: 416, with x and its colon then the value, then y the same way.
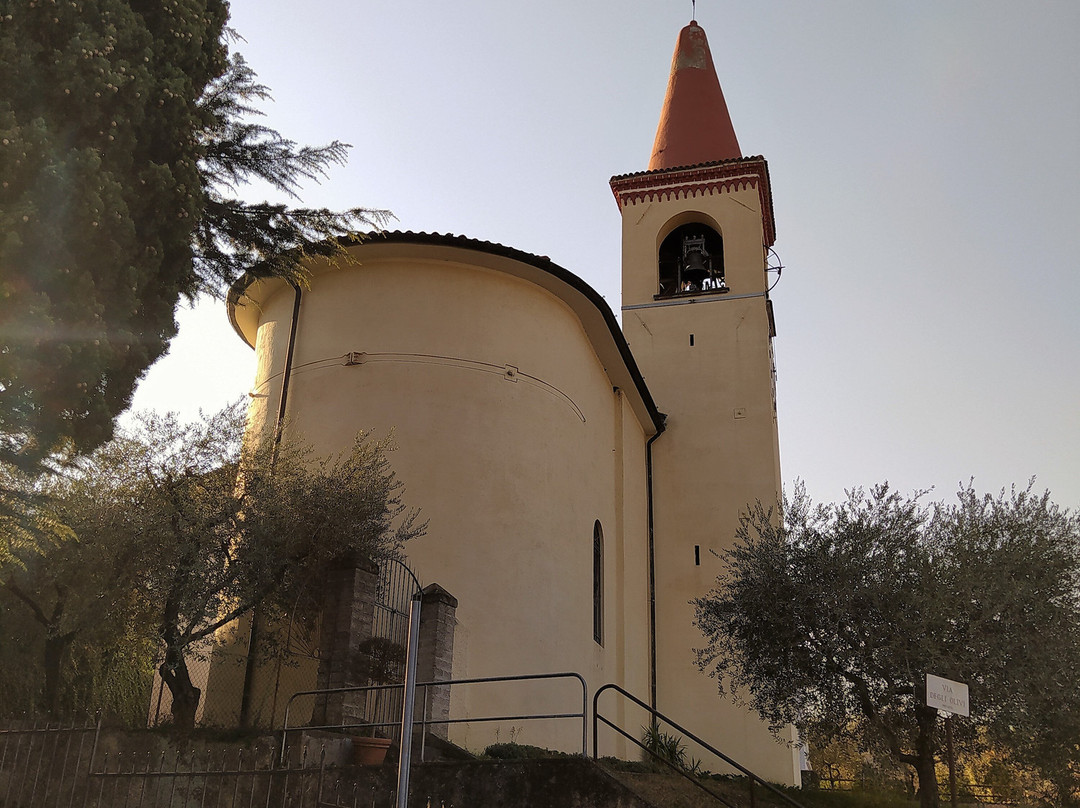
x: 565, y: 782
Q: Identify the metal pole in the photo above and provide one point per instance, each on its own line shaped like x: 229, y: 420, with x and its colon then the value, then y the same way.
x: 952, y: 759
x: 405, y: 758
x: 424, y: 723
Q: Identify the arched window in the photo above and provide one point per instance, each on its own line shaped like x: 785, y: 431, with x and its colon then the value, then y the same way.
x: 598, y: 583
x: 691, y: 262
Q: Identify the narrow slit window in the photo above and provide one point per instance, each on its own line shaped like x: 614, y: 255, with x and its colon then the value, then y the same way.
x: 598, y: 583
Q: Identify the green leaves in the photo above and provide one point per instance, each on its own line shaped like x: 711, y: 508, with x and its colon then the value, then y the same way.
x: 100, y: 196
x: 233, y: 236
x: 126, y: 133
x: 172, y: 530
x: 832, y: 615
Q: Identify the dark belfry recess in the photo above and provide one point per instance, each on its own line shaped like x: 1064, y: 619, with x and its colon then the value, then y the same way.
x: 691, y: 261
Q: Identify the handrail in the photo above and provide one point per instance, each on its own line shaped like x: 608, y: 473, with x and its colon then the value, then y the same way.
x: 583, y: 715
x: 656, y: 714
x: 670, y: 765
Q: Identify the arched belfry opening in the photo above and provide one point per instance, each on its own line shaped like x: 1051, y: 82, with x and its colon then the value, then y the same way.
x: 691, y: 262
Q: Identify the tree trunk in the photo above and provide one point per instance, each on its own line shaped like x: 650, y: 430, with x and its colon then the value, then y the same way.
x: 926, y: 766
x: 250, y: 668
x: 185, y: 696
x: 174, y: 670
x: 928, y: 784
x: 56, y: 648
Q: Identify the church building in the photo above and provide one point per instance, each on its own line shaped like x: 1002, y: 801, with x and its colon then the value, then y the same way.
x: 575, y: 474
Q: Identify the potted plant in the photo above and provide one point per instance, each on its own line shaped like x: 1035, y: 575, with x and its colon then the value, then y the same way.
x: 382, y: 661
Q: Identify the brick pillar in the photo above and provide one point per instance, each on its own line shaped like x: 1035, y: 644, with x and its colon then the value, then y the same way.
x: 435, y: 653
x: 347, y: 616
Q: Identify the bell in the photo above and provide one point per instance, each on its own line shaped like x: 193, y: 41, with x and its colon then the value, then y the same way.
x: 695, y: 266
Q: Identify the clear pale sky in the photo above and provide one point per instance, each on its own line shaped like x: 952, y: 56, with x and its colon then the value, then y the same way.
x: 925, y: 163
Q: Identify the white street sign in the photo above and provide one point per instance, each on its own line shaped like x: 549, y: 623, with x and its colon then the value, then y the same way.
x: 947, y: 695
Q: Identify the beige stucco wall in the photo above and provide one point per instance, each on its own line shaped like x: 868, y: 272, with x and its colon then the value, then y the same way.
x: 512, y: 441
x: 719, y: 451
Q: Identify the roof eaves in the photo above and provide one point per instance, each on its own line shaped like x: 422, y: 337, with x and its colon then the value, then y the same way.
x: 541, y: 262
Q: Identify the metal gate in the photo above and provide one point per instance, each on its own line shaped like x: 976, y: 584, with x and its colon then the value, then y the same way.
x: 384, y: 651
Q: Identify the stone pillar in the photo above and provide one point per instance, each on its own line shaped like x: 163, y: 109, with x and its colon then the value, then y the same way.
x: 348, y: 613
x: 435, y: 654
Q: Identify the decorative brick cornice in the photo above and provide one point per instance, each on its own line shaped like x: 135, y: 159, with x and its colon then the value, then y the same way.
x: 710, y: 178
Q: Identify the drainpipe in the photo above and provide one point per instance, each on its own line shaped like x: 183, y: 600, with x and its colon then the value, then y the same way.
x: 652, y: 567
x: 279, y: 427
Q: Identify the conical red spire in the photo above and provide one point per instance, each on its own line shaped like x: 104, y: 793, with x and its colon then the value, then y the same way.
x: 694, y: 124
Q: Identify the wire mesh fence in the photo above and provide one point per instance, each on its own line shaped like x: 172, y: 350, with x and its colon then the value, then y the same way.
x: 286, y: 661
x: 235, y: 682
x: 219, y: 669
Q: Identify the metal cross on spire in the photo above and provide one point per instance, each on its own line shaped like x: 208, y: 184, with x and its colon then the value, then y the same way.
x: 693, y: 6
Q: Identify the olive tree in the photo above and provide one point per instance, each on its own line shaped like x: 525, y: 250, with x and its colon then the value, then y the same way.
x: 199, y: 528
x: 832, y: 616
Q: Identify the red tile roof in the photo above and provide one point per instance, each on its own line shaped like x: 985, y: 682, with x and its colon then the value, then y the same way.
x: 694, y: 125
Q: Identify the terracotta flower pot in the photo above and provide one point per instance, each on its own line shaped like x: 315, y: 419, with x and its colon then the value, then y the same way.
x: 369, y: 751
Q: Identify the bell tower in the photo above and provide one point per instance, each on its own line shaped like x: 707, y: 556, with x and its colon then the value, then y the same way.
x: 696, y: 231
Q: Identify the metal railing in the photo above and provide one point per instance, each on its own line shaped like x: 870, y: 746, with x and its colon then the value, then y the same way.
x: 41, y: 763
x: 246, y: 777
x: 426, y: 721
x: 656, y: 714
x: 53, y: 765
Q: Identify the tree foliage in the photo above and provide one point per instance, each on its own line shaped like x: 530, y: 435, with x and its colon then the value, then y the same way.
x: 234, y: 237
x: 101, y: 188
x: 178, y: 529
x: 70, y: 599
x: 125, y: 134
x: 831, y: 616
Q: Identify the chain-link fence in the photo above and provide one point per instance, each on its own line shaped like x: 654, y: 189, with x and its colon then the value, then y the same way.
x: 242, y: 681
x: 226, y: 674
x: 242, y: 686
